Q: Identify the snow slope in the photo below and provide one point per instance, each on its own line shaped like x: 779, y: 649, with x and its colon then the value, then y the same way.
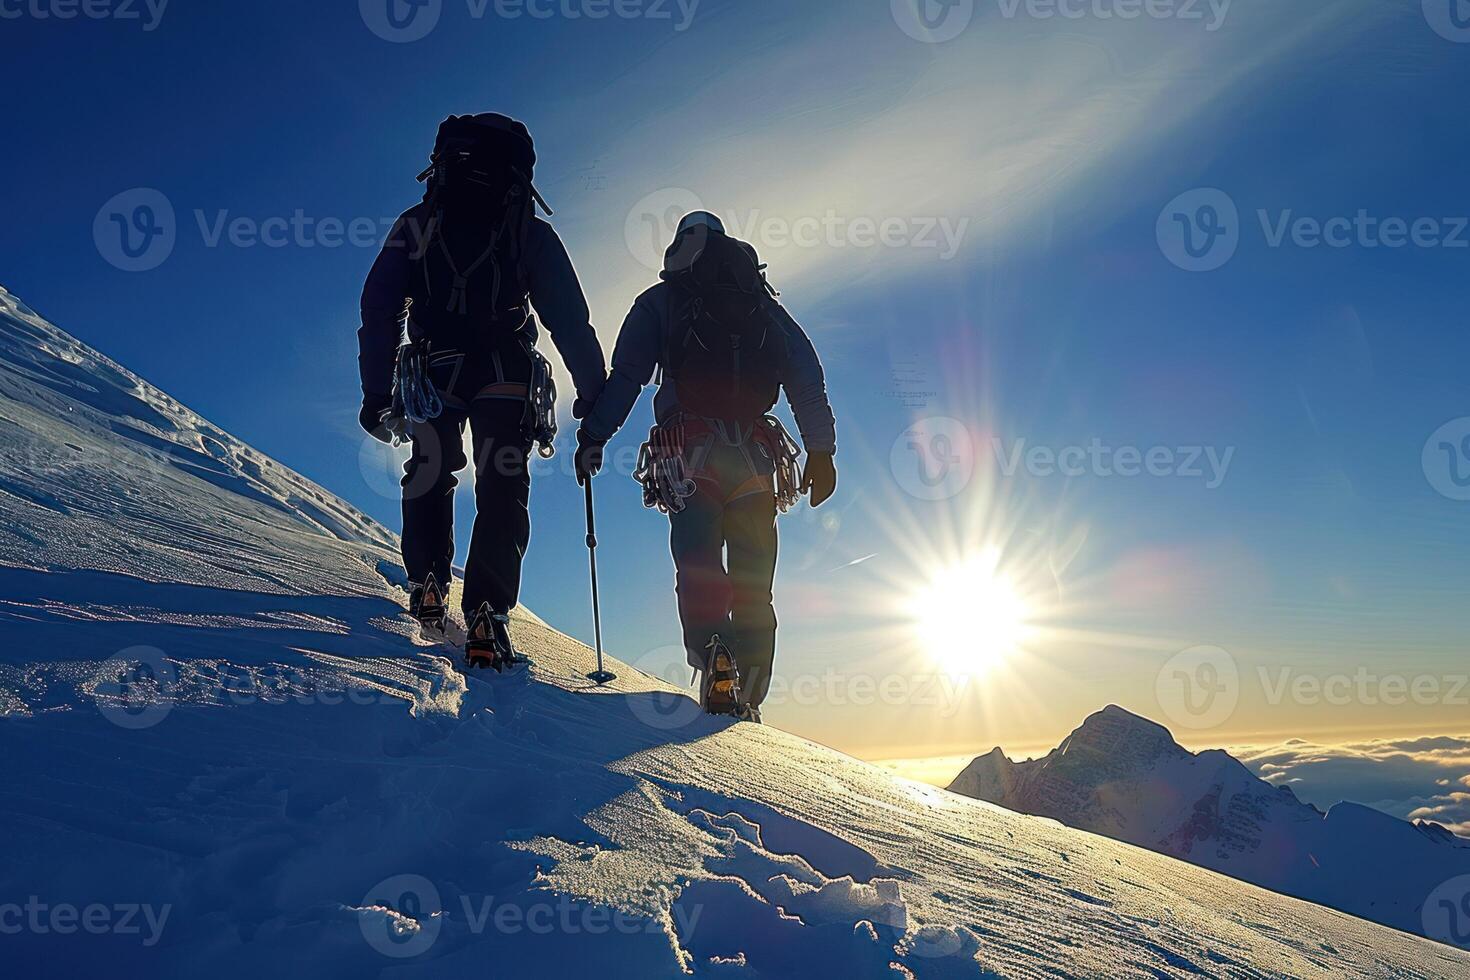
x: 1126, y: 778
x: 209, y: 767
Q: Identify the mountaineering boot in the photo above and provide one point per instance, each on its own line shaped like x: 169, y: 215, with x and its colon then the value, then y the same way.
x: 488, y: 641
x: 426, y: 604
x: 719, y: 691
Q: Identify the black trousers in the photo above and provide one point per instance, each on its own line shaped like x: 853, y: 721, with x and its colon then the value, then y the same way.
x: 725, y: 546
x: 502, y: 496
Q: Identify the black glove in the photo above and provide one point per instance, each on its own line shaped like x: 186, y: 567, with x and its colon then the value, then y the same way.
x: 820, y: 478
x: 589, y: 457
x: 585, y: 401
x: 371, y: 417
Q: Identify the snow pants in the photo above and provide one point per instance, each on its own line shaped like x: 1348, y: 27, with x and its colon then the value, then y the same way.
x: 724, y: 544
x: 502, y: 531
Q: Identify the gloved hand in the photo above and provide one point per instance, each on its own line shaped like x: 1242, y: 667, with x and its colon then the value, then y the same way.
x: 589, y: 457
x: 582, y: 406
x: 371, y: 417
x: 820, y: 478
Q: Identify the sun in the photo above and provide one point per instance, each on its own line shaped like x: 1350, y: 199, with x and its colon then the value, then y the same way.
x: 970, y: 617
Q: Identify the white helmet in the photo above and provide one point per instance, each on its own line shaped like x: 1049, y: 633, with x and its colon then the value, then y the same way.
x: 700, y: 219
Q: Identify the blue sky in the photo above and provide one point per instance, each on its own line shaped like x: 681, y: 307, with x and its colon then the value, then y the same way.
x: 1031, y: 175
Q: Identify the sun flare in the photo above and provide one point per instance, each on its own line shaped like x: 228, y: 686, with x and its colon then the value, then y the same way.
x: 970, y: 616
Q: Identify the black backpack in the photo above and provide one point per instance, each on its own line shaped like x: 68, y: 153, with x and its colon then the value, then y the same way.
x: 725, y: 349
x: 480, y: 204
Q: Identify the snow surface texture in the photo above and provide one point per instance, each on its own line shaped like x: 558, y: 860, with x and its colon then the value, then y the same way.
x: 1125, y: 777
x: 211, y: 769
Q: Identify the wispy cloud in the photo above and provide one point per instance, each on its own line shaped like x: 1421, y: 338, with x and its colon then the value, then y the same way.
x: 963, y: 147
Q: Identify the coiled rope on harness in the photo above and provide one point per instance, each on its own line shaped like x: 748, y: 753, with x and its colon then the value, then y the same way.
x: 662, y: 470
x: 539, y: 422
x: 415, y: 397
x: 786, y: 455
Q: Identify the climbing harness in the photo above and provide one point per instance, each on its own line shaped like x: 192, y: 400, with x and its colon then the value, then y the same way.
x: 663, y: 464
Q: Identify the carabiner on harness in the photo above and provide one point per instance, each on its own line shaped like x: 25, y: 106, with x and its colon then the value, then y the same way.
x: 662, y: 471
x: 539, y: 422
x: 786, y: 455
x: 414, y: 396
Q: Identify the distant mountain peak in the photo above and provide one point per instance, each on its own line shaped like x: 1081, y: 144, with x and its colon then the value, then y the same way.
x: 1123, y: 776
x: 1126, y: 736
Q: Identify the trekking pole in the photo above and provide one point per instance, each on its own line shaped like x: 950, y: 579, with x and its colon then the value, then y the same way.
x: 601, y: 675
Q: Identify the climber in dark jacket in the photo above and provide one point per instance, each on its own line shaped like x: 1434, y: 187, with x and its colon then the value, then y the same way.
x: 717, y: 463
x: 461, y: 272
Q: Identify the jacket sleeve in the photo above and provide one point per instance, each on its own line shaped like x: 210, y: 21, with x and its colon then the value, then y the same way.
x: 805, y: 384
x: 556, y: 293
x: 634, y: 359
x: 384, y: 309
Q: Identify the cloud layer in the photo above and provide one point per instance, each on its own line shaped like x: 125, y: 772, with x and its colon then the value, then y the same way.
x: 1422, y: 778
